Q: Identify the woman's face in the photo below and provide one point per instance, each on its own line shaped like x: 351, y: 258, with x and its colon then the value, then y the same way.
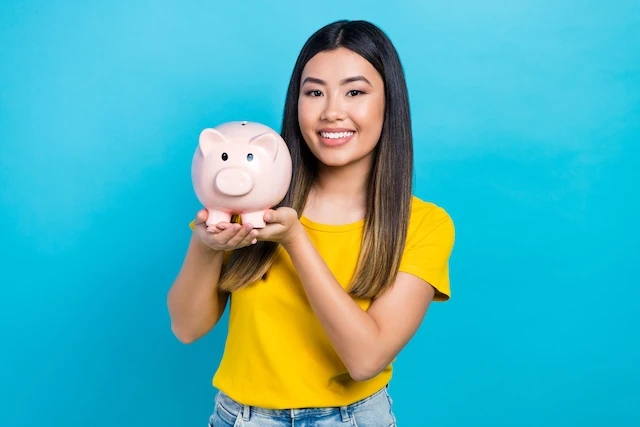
x: 341, y: 107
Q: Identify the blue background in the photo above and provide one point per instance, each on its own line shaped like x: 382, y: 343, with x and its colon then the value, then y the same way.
x: 527, y: 123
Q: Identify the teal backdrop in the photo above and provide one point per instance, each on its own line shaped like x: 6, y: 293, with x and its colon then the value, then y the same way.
x: 527, y: 124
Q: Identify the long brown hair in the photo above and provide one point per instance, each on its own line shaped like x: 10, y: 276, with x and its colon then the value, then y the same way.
x: 391, y: 179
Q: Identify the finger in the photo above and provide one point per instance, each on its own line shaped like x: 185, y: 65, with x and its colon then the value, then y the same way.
x: 264, y: 234
x: 201, y: 216
x: 239, y: 237
x: 251, y: 239
x: 218, y: 227
x: 219, y: 238
x: 224, y: 236
x: 270, y: 216
x: 213, y: 230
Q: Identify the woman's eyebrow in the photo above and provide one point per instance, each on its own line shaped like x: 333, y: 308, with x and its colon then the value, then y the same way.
x: 342, y: 82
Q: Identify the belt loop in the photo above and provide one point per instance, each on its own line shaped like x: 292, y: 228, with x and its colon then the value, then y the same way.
x: 344, y: 413
x: 246, y: 412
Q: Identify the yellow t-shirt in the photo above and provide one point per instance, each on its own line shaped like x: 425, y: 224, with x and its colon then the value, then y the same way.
x: 277, y: 354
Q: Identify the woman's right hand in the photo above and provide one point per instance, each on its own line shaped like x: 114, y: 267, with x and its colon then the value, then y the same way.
x: 224, y: 236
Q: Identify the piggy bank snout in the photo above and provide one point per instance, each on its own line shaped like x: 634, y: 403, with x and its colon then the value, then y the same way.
x: 234, y: 182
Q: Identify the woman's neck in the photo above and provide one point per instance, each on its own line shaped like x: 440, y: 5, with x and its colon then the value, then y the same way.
x: 338, y: 196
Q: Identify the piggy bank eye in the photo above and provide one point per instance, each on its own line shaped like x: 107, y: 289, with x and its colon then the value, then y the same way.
x: 249, y: 157
x: 225, y: 156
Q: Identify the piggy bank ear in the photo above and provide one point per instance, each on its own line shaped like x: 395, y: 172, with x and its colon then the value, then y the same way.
x: 208, y: 139
x: 267, y: 142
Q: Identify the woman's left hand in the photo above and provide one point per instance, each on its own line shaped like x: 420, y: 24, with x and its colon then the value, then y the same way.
x: 283, y: 226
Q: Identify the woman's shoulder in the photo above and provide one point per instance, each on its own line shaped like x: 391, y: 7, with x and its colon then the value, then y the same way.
x: 427, y: 216
x: 422, y: 209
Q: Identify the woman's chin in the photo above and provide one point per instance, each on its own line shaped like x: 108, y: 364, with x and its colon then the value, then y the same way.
x: 341, y: 160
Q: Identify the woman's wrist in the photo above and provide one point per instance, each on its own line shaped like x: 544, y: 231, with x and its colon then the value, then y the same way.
x: 297, y: 235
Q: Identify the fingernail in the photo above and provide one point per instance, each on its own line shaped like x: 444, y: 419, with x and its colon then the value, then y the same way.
x: 254, y: 241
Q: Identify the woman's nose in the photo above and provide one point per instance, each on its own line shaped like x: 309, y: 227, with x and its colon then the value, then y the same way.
x: 334, y: 110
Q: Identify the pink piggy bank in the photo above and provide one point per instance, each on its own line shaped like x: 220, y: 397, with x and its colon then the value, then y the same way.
x: 241, y: 168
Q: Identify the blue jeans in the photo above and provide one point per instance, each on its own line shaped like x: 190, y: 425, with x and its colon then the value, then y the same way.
x: 373, y: 411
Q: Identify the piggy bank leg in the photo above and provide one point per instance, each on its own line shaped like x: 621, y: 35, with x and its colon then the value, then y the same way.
x: 216, y: 216
x: 254, y: 218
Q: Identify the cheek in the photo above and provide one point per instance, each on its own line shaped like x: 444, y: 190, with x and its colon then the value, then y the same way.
x: 305, y: 116
x: 370, y: 116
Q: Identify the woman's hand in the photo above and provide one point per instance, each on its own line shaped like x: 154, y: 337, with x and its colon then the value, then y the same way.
x: 224, y: 236
x: 283, y: 226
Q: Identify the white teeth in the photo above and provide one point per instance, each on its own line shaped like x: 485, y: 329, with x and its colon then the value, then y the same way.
x: 336, y: 135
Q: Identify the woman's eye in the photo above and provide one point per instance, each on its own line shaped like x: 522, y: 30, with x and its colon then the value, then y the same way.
x: 314, y: 93
x: 355, y: 92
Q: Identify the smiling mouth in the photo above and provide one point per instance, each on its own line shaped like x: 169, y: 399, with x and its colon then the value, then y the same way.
x: 335, y: 138
x: 336, y: 135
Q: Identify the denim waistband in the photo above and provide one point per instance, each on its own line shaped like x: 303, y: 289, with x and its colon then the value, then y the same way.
x: 247, y: 410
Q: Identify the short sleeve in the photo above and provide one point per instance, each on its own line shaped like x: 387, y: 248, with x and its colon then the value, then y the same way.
x: 429, y: 245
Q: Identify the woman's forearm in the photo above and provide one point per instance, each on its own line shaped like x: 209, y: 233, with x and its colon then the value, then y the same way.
x: 353, y: 333
x: 194, y: 303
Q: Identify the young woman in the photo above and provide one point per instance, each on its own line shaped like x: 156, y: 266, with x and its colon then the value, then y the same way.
x: 328, y: 293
